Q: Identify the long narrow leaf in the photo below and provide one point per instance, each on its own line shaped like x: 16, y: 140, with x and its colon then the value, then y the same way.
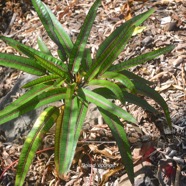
x: 28, y: 51
x: 136, y: 78
x: 45, y: 19
x: 120, y: 136
x: 64, y: 140
x: 58, y: 132
x: 105, y: 92
x: 146, y: 90
x: 33, y: 141
x: 43, y: 79
x: 128, y: 97
x: 131, y: 98
x: 51, y: 96
x: 80, y: 44
x: 102, y: 102
x: 43, y: 48
x: 86, y: 60
x: 109, y: 85
x: 61, y: 34
x: 31, y: 103
x: 113, y: 38
x: 137, y: 20
x: 114, y: 49
x: 140, y: 59
x: 104, y: 61
x: 51, y: 67
x: 83, y: 107
x: 21, y: 63
x: 120, y: 78
x: 24, y: 99
x: 53, y: 27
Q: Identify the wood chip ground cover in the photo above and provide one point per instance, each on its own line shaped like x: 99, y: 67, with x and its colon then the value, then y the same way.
x: 96, y: 163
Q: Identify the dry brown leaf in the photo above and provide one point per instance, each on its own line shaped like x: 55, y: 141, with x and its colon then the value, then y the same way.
x: 136, y: 155
x: 126, y: 10
x: 107, y: 175
x: 105, y: 152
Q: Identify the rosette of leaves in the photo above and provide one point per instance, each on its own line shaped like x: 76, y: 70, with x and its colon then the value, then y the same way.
x: 77, y: 80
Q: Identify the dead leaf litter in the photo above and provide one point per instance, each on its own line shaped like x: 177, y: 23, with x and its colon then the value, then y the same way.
x: 159, y: 154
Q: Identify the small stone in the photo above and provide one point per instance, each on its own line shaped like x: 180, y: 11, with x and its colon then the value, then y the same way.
x: 147, y: 41
x: 172, y: 26
x: 165, y: 20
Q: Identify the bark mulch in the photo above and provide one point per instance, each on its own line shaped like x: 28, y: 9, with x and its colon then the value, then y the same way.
x: 159, y: 154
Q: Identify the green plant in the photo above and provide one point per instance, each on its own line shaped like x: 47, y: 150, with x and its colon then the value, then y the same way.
x: 69, y: 78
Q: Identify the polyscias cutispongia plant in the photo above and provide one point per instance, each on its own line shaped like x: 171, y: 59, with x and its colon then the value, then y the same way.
x: 68, y: 79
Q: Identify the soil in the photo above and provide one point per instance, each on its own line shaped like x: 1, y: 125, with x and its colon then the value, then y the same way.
x: 159, y: 154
